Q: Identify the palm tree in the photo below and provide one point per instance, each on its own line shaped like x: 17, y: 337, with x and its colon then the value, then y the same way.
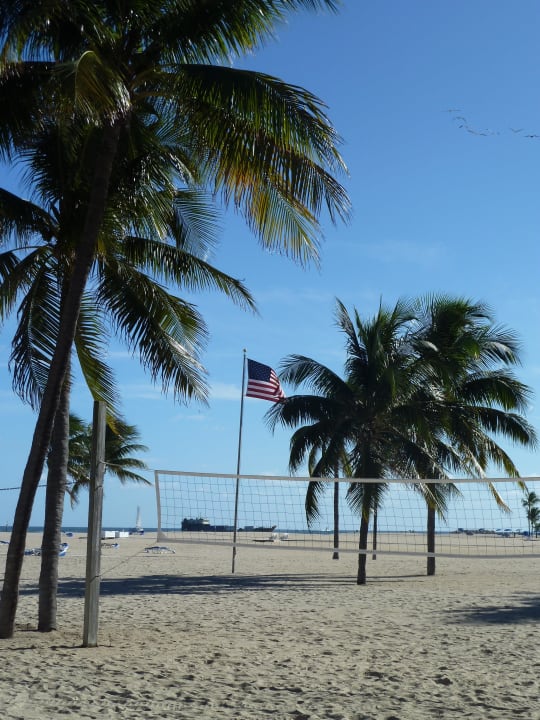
x: 121, y: 441
x: 373, y: 414
x: 530, y: 502
x: 467, y: 357
x: 535, y: 520
x: 309, y: 441
x: 167, y: 331
x: 316, y: 441
x: 265, y: 146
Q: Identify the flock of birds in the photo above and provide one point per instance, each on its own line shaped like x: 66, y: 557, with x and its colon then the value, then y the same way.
x: 465, y: 125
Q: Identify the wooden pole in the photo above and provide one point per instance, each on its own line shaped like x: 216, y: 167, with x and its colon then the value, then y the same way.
x: 93, y: 545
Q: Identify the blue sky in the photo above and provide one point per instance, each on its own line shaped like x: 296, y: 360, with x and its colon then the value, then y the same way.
x: 434, y: 101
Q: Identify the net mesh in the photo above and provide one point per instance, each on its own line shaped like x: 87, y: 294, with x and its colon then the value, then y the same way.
x: 270, y: 511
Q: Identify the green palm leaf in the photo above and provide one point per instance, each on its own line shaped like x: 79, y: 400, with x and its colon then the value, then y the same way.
x: 121, y: 441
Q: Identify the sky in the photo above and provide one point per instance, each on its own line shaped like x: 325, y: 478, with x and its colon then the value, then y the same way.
x: 437, y: 104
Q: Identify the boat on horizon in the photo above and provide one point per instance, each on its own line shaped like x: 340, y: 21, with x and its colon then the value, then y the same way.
x: 138, y: 529
x: 203, y: 525
x: 258, y: 528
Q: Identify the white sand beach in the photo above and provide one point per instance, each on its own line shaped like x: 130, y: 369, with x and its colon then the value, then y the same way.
x: 289, y: 636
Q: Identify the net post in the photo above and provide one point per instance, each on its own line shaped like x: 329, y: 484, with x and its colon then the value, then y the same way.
x: 95, y: 508
x: 158, y: 503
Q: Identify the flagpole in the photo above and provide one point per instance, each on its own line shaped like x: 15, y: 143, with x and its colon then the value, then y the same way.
x: 237, y: 491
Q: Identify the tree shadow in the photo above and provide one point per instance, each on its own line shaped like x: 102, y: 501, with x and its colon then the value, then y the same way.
x: 524, y: 609
x: 195, y: 584
x: 211, y: 584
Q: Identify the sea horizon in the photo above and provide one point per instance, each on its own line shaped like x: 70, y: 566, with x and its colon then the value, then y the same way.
x: 81, y: 529
x: 118, y: 528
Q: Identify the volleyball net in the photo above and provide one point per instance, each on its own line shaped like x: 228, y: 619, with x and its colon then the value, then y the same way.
x: 270, y: 511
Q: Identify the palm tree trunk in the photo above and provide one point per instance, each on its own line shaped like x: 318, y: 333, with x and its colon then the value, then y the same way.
x: 431, y: 539
x: 362, y: 545
x: 54, y: 510
x: 57, y: 372
x: 335, y: 556
x: 374, y: 547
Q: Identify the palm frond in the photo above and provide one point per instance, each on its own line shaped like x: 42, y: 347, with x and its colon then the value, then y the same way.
x: 90, y: 344
x: 35, y: 337
x: 269, y: 152
x: 167, y: 332
x: 225, y: 29
x: 21, y: 220
x: 121, y: 440
x: 315, y: 491
x: 174, y: 265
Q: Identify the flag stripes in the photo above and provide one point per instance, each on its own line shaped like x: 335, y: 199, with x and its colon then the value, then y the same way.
x: 263, y: 383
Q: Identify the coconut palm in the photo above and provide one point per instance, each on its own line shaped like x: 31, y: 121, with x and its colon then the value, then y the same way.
x: 375, y: 413
x: 167, y: 331
x: 535, y: 520
x: 121, y: 441
x: 530, y: 502
x: 469, y: 359
x: 264, y: 146
x: 315, y: 441
x: 305, y: 441
x: 314, y: 490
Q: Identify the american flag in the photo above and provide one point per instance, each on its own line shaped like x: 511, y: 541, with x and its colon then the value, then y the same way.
x: 263, y: 383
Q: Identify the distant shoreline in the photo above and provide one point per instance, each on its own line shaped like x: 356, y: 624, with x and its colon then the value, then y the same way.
x: 343, y: 533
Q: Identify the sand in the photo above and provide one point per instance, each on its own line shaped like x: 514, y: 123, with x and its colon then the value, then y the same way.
x: 289, y: 636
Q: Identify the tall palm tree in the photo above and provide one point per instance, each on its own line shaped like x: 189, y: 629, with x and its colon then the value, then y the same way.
x: 423, y: 396
x: 469, y: 359
x: 265, y: 146
x: 373, y: 414
x: 121, y: 442
x: 168, y: 332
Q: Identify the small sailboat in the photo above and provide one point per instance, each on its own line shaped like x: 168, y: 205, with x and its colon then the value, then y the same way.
x: 138, y: 529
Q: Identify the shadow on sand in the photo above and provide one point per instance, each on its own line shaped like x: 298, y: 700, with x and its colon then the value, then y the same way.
x: 521, y: 608
x: 211, y: 584
x: 196, y: 584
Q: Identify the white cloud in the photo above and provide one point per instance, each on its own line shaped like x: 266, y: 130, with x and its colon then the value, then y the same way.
x: 398, y: 251
x: 143, y: 391
x: 295, y: 296
x: 224, y: 391
x: 121, y: 354
x: 192, y: 417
